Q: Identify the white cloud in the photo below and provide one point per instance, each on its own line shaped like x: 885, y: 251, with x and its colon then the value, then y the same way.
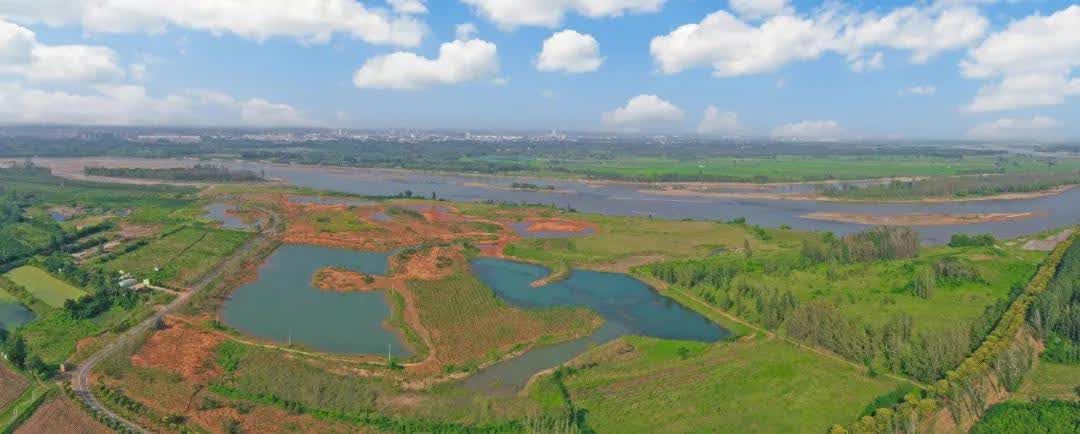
x: 570, y: 52
x: 408, y: 6
x: 922, y: 89
x: 643, y: 111
x: 713, y: 121
x: 137, y: 71
x: 131, y: 105
x: 308, y: 20
x: 1031, y: 62
x: 509, y: 14
x: 760, y: 8
x: 732, y: 46
x: 860, y: 63
x: 809, y: 130
x: 465, y: 31
x: 22, y: 55
x: 459, y: 61
x: 1014, y: 128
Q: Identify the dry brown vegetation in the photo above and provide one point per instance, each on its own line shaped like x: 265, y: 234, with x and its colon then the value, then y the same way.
x: 61, y: 416
x: 558, y: 225
x: 180, y: 349
x: 11, y: 385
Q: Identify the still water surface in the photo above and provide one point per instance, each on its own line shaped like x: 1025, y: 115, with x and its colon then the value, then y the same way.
x: 628, y: 306
x: 283, y: 304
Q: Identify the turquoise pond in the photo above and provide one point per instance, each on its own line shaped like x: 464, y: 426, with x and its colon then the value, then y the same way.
x: 282, y: 305
x: 13, y: 315
x: 628, y: 306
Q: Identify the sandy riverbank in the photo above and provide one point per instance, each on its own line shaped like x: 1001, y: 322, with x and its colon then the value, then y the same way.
x: 917, y: 219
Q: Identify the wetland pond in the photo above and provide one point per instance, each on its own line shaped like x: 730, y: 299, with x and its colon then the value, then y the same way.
x: 13, y: 314
x: 283, y: 305
x: 219, y: 212
x: 628, y: 306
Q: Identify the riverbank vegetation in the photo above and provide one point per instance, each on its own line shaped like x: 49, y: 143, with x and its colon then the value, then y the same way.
x: 638, y: 159
x: 956, y: 186
x: 196, y: 173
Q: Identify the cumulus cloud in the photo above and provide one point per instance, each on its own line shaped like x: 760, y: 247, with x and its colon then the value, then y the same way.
x: 570, y: 52
x: 309, y: 20
x: 760, y: 8
x: 408, y: 6
x: 22, y: 55
x: 1014, y: 128
x: 714, y: 121
x: 732, y: 46
x: 459, y: 61
x: 922, y: 89
x: 809, y: 130
x: 643, y: 111
x: 1030, y: 63
x: 550, y: 13
x: 132, y: 105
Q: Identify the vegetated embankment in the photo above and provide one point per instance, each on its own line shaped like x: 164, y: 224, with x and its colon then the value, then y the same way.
x: 956, y: 401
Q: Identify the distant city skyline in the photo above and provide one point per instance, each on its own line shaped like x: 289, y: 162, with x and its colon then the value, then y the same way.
x: 848, y: 70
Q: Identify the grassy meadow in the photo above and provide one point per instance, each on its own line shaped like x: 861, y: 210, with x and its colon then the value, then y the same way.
x: 44, y: 286
x: 756, y: 385
x: 181, y: 257
x: 471, y: 325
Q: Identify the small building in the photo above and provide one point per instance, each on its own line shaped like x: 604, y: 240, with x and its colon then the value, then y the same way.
x: 128, y: 283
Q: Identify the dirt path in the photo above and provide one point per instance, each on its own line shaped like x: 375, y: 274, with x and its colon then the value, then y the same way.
x: 80, y: 382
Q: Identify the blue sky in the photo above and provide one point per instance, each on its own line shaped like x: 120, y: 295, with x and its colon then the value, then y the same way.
x: 213, y: 67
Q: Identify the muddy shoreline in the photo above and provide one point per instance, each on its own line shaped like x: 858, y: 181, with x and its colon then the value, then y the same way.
x: 917, y: 219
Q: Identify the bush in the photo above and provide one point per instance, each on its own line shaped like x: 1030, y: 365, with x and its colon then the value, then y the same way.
x: 964, y: 240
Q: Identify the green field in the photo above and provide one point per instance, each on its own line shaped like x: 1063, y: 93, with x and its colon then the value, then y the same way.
x: 761, y: 385
x: 45, y: 287
x: 784, y: 167
x: 181, y: 257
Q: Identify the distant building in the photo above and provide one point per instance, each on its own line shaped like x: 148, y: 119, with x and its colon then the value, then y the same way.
x: 173, y: 138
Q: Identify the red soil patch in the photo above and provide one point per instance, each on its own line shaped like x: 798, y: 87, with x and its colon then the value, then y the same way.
x: 558, y: 225
x: 61, y: 416
x: 182, y: 350
x: 131, y: 230
x: 428, y: 264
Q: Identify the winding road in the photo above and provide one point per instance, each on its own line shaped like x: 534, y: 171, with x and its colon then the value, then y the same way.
x: 80, y: 382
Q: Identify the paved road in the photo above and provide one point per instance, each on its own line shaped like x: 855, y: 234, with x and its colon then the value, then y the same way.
x: 80, y: 382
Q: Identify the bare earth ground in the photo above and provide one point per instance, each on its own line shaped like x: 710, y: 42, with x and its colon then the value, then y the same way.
x: 1048, y: 243
x: 60, y: 415
x: 179, y: 349
x: 11, y: 386
x: 670, y: 191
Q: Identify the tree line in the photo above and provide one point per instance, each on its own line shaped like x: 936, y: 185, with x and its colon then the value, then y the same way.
x: 199, y: 172
x: 1055, y: 314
